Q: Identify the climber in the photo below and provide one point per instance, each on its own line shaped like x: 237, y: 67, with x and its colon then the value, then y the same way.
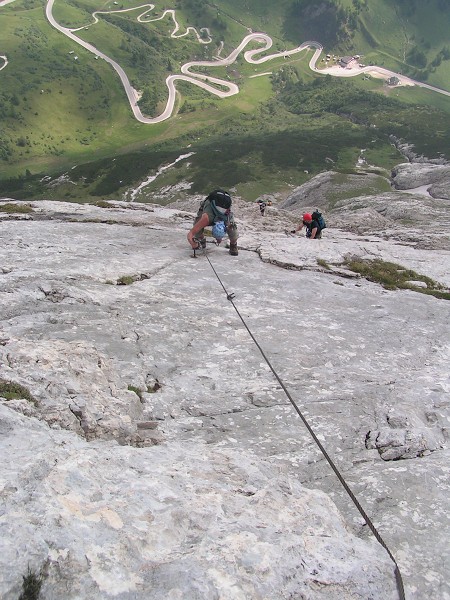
x: 214, y: 209
x: 314, y: 224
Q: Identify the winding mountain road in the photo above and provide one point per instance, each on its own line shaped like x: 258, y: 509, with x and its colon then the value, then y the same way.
x: 207, y: 82
x: 218, y: 87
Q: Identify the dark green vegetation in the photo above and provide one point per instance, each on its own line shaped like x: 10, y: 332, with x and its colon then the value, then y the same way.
x: 15, y: 391
x: 425, y: 127
x: 392, y: 276
x: 31, y: 585
x: 64, y: 111
x: 328, y: 23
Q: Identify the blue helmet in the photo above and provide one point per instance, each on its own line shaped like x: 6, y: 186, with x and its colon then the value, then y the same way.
x: 218, y: 230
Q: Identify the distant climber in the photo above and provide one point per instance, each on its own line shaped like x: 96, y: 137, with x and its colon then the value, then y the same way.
x: 214, y: 209
x: 263, y: 204
x: 314, y: 223
x: 262, y: 207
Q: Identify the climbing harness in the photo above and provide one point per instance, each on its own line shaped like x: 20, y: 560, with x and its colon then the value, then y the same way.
x: 398, y: 576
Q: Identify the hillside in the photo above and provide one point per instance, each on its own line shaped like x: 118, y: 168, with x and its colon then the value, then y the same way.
x: 61, y: 106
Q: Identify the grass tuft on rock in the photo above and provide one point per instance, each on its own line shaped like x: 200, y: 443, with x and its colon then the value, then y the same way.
x: 14, y: 391
x: 323, y: 263
x: 125, y: 280
x: 136, y: 390
x: 11, y: 208
x: 103, y: 204
x: 31, y: 585
x: 392, y: 276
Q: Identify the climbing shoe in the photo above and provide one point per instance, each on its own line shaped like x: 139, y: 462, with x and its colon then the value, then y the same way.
x: 234, y: 249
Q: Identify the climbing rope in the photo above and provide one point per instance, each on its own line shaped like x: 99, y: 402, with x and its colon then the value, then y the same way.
x: 398, y: 576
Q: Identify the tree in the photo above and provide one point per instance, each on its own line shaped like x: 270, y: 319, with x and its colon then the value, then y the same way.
x: 417, y: 58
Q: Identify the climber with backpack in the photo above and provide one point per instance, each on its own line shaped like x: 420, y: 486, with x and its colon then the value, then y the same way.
x: 314, y: 223
x: 214, y: 211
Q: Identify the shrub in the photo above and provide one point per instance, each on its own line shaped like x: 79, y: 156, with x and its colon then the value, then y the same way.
x: 15, y: 391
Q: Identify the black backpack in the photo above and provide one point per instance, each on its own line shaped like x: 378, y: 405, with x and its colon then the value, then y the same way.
x: 223, y: 200
x: 220, y: 198
x: 317, y: 216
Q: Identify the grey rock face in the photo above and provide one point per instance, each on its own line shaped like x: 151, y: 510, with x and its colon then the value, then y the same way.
x: 414, y: 216
x: 325, y: 189
x: 437, y: 177
x: 160, y: 458
x: 182, y: 520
